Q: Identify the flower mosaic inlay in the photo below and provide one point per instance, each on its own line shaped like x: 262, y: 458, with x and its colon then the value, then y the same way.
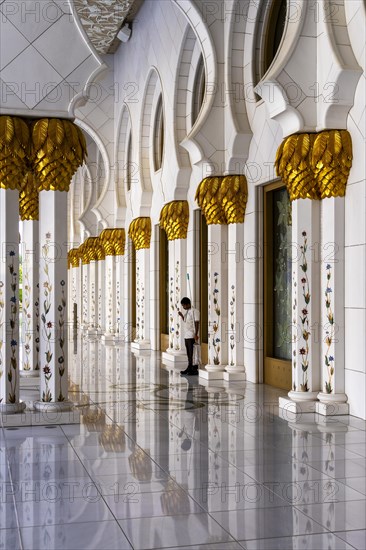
x: 328, y: 358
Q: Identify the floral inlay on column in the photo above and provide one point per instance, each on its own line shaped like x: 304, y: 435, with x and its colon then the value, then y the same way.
x: 177, y: 299
x: 85, y: 303
x: 329, y: 359
x: 216, y: 322
x: 2, y: 306
x: 27, y: 317
x: 304, y: 317
x: 171, y: 314
x: 118, y: 306
x: 14, y: 329
x: 138, y: 305
x: 294, y: 322
x: 37, y: 329
x: 109, y: 290
x: 92, y: 302
x: 47, y: 325
x: 61, y: 338
x: 232, y: 325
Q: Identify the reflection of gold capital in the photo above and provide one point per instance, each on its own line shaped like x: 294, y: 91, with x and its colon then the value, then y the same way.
x: 315, y: 166
x: 94, y: 419
x: 140, y: 465
x: 113, y: 438
x: 174, y: 500
x: 223, y: 199
x: 174, y: 218
x: 140, y: 232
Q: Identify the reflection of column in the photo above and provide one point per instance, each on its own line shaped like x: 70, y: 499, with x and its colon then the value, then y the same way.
x: 142, y: 340
x: 235, y: 369
x: 30, y: 299
x: 53, y: 300
x: 177, y: 289
x: 332, y: 397
x: 217, y: 304
x: 9, y: 298
x: 306, y: 307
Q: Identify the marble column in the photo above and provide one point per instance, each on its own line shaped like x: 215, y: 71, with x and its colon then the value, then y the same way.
x: 110, y: 298
x: 127, y: 329
x: 332, y: 399
x: 30, y: 300
x: 142, y: 340
x: 178, y: 288
x: 217, y: 305
x: 9, y: 302
x: 101, y: 296
x: 306, y: 307
x: 53, y: 299
x: 120, y: 320
x: 235, y: 369
x: 84, y: 293
x: 92, y: 296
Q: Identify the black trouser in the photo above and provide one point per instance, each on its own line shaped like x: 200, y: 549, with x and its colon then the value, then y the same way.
x: 189, y: 347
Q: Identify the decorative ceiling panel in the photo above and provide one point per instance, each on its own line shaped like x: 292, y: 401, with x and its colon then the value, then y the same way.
x: 102, y: 20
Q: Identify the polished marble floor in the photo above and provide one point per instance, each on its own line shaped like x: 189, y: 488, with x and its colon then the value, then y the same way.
x: 165, y: 462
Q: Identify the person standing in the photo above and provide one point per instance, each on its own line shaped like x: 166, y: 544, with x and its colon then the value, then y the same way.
x: 191, y: 319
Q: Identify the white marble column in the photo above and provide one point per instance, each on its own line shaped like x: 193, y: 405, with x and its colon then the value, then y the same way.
x: 142, y: 340
x: 120, y: 320
x: 30, y: 299
x: 92, y: 295
x: 101, y: 296
x: 126, y: 328
x: 233, y: 257
x: 332, y: 397
x: 9, y: 302
x: 110, y: 298
x: 53, y: 302
x: 75, y: 294
x: 306, y: 307
x: 178, y: 288
x: 217, y: 304
x: 84, y: 294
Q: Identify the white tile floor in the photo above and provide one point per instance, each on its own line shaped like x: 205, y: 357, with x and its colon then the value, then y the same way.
x: 163, y: 462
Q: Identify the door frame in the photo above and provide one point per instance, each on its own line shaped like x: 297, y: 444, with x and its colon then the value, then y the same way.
x: 267, y: 299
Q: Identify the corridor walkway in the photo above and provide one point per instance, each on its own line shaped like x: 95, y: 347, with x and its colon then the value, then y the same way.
x: 164, y: 462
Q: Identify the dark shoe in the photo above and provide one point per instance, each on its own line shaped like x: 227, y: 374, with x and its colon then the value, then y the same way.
x: 194, y: 370
x: 185, y: 372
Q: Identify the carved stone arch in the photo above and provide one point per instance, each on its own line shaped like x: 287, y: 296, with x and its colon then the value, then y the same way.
x: 123, y: 136
x: 153, y: 89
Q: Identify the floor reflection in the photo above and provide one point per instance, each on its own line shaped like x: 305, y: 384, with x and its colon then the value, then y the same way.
x: 161, y: 461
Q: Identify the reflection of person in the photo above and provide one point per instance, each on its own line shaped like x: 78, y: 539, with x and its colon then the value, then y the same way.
x: 191, y: 320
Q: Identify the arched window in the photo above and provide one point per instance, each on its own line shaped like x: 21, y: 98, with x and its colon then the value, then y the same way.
x: 270, y: 30
x: 129, y: 163
x: 159, y: 135
x: 199, y: 89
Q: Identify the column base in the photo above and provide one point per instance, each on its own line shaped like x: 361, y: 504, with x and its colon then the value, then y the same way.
x: 53, y: 406
x: 233, y: 374
x: 212, y: 372
x: 332, y: 408
x: 175, y: 357
x: 92, y: 331
x: 302, y: 396
x: 29, y: 373
x: 141, y: 344
x: 12, y: 408
x: 289, y: 408
x: 108, y: 337
x: 332, y: 397
x: 41, y: 418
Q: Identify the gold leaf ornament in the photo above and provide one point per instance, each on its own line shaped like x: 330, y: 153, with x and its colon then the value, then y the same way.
x: 223, y: 199
x: 73, y: 258
x: 119, y: 239
x: 106, y: 239
x: 14, y: 148
x: 174, y: 218
x: 315, y: 166
x: 139, y: 232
